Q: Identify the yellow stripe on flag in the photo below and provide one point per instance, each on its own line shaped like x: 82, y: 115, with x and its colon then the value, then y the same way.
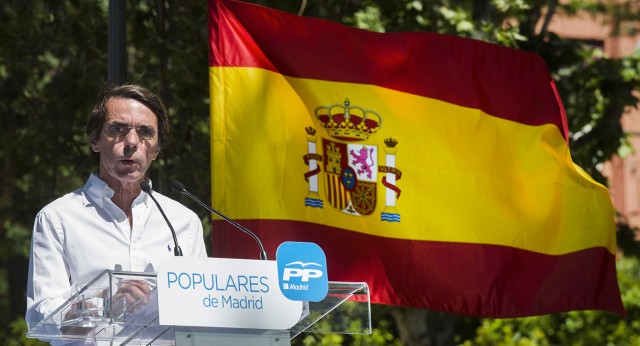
x: 467, y: 176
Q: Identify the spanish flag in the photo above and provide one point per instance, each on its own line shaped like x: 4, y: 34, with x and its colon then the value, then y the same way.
x: 435, y: 168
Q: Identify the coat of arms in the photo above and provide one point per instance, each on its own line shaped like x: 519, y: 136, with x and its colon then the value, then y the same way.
x: 350, y: 164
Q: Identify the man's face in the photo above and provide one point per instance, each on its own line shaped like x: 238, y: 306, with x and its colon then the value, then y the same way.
x: 128, y: 143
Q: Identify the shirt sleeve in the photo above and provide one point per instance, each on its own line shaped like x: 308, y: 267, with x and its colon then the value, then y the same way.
x: 48, y: 284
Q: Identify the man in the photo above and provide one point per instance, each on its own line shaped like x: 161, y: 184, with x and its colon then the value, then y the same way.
x: 110, y: 223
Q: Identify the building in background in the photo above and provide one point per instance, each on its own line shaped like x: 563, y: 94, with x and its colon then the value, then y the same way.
x: 623, y: 173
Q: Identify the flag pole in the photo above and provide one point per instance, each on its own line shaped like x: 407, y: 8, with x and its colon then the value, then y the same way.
x: 117, y: 42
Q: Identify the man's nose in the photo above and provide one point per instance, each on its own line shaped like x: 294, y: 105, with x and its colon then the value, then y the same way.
x: 132, y: 140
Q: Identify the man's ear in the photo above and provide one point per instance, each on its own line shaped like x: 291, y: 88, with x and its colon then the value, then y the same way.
x: 94, y: 146
x: 155, y: 154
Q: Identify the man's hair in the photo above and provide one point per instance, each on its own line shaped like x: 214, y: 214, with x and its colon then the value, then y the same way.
x: 98, y: 116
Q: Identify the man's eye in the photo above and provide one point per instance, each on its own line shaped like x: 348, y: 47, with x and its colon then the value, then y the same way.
x: 117, y: 129
x: 145, y: 132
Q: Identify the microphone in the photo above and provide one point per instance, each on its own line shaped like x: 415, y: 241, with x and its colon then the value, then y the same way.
x: 177, y: 251
x: 180, y: 188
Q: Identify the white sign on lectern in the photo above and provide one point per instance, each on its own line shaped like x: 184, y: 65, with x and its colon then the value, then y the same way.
x: 223, y: 292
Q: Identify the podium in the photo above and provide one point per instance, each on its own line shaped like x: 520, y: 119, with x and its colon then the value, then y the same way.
x: 96, y: 313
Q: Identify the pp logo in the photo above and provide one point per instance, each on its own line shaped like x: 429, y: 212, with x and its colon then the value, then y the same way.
x: 297, y: 270
x: 302, y: 271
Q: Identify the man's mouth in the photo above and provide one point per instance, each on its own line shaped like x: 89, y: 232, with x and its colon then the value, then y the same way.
x: 128, y: 162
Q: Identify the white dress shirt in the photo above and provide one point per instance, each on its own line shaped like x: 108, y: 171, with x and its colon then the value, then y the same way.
x: 81, y: 234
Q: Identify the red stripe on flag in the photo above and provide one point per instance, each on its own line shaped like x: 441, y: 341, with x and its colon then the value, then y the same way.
x: 479, y: 280
x: 503, y: 82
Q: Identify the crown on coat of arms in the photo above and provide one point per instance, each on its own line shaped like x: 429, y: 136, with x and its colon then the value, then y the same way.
x: 347, y: 122
x: 390, y: 142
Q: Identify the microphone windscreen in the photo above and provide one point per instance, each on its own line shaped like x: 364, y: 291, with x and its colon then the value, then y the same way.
x: 177, y: 185
x: 144, y: 185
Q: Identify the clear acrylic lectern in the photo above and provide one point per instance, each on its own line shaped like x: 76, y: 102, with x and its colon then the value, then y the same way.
x: 96, y: 313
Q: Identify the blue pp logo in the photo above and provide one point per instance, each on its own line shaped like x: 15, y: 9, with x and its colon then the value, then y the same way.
x: 302, y: 271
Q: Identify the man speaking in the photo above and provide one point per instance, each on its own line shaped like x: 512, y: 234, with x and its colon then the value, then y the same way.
x: 111, y: 223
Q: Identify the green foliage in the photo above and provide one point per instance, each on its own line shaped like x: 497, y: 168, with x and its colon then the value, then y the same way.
x: 596, y: 91
x: 18, y: 335
x: 626, y: 239
x: 49, y: 56
x: 383, y: 333
x: 368, y: 19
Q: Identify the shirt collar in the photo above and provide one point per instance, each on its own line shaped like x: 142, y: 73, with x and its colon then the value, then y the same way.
x: 99, y: 191
x: 142, y: 198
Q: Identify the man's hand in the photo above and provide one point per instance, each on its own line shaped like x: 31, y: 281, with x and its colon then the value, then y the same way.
x: 132, y: 295
x: 87, y: 306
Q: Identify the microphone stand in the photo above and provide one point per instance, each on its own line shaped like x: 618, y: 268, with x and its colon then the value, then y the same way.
x: 177, y: 251
x: 180, y: 188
